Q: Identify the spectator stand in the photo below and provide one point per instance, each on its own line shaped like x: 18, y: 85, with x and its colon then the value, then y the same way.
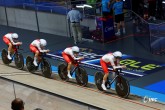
x: 157, y: 36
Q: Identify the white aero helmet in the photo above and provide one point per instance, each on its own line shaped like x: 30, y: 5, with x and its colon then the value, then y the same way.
x: 75, y: 49
x: 15, y: 36
x: 43, y: 42
x: 117, y: 54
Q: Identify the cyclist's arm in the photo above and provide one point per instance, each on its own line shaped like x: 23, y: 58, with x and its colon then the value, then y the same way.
x: 39, y: 48
x: 77, y: 58
x: 74, y: 57
x: 11, y: 40
x: 117, y: 67
x: 114, y: 66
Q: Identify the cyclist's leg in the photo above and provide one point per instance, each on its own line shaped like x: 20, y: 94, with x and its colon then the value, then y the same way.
x: 39, y: 58
x: 36, y: 57
x: 13, y: 49
x: 68, y: 59
x: 69, y: 69
x: 106, y: 73
x: 10, y: 51
x: 7, y: 41
x: 36, y: 54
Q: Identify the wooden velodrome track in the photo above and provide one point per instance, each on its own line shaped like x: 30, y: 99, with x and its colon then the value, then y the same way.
x: 88, y: 95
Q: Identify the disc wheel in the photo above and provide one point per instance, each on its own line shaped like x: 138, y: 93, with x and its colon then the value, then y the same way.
x: 19, y: 61
x: 81, y: 76
x: 122, y: 87
x: 62, y: 71
x: 46, y: 69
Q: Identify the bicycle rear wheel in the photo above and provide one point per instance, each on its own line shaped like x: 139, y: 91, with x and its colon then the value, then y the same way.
x: 29, y: 64
x: 46, y: 69
x: 98, y: 80
x: 122, y: 87
x: 19, y: 61
x: 4, y: 57
x: 62, y: 71
x: 81, y: 76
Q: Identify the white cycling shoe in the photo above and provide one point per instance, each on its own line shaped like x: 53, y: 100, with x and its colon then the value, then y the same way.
x: 9, y: 57
x: 35, y: 63
x: 103, y: 86
x: 69, y: 76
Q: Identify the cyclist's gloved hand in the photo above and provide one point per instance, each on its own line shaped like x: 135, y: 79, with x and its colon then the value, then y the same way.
x: 81, y: 58
x: 124, y: 66
x: 19, y: 43
x: 47, y: 50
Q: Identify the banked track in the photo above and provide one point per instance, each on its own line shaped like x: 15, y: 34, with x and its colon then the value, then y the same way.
x: 85, y: 95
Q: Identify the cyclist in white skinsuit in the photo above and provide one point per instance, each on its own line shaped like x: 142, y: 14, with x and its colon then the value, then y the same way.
x: 11, y: 39
x: 112, y: 59
x: 36, y: 47
x: 70, y: 54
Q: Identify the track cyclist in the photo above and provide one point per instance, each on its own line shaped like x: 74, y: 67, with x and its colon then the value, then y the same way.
x: 37, y: 47
x: 11, y: 39
x: 112, y: 59
x: 70, y: 55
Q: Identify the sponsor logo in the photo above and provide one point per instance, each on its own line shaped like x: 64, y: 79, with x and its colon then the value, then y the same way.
x: 147, y: 99
x: 107, y: 29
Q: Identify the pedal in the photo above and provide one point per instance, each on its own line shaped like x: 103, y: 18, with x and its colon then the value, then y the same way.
x: 10, y: 61
x: 108, y: 86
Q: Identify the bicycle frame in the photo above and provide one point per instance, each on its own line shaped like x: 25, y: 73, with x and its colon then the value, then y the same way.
x: 42, y: 58
x: 15, y: 51
x: 73, y: 70
x: 113, y: 80
x: 75, y: 67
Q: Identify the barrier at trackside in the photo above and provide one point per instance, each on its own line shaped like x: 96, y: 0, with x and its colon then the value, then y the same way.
x: 106, y: 25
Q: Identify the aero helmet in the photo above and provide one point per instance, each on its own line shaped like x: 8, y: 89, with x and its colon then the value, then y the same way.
x: 117, y: 54
x: 15, y: 35
x: 43, y: 42
x: 75, y: 49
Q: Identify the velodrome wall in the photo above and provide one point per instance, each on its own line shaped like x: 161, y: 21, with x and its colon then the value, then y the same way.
x: 3, y: 20
x: 48, y: 22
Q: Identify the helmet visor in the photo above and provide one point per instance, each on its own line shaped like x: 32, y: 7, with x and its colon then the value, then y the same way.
x: 75, y: 52
x: 15, y: 40
x: 118, y: 57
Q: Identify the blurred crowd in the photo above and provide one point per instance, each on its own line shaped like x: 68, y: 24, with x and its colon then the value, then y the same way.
x: 145, y: 8
x: 149, y: 9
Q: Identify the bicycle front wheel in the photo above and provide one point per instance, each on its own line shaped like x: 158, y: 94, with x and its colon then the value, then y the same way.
x: 19, y: 61
x: 122, y: 87
x: 81, y: 76
x: 46, y: 69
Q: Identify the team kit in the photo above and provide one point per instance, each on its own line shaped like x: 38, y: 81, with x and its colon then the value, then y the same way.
x: 72, y: 58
